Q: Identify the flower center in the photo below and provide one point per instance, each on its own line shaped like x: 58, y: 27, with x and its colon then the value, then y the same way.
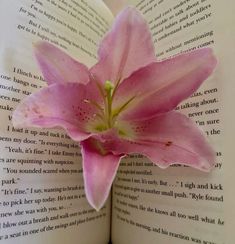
x: 106, y: 118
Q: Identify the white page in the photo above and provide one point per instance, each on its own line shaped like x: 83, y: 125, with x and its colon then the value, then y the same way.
x: 178, y: 211
x: 42, y: 194
x: 116, y: 6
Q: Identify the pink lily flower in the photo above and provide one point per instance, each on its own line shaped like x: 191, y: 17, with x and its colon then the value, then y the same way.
x: 124, y: 104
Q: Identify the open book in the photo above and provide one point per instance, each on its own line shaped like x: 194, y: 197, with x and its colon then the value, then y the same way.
x: 42, y: 194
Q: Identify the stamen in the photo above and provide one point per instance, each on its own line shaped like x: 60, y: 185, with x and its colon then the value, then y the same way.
x: 123, y: 107
x: 98, y: 85
x: 93, y: 103
x: 115, y: 88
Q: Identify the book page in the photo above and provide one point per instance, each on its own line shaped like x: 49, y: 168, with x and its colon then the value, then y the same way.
x: 116, y: 6
x: 182, y: 205
x: 42, y: 196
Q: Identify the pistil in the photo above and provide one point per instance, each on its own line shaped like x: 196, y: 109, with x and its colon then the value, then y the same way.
x: 108, y: 103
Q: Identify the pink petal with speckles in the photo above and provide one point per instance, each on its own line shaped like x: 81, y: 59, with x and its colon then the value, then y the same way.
x: 166, y: 139
x: 59, y: 105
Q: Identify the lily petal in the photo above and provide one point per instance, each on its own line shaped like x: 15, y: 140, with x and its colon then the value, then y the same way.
x: 161, y: 86
x: 59, y: 67
x: 167, y: 139
x: 99, y: 170
x: 126, y: 48
x: 59, y: 105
